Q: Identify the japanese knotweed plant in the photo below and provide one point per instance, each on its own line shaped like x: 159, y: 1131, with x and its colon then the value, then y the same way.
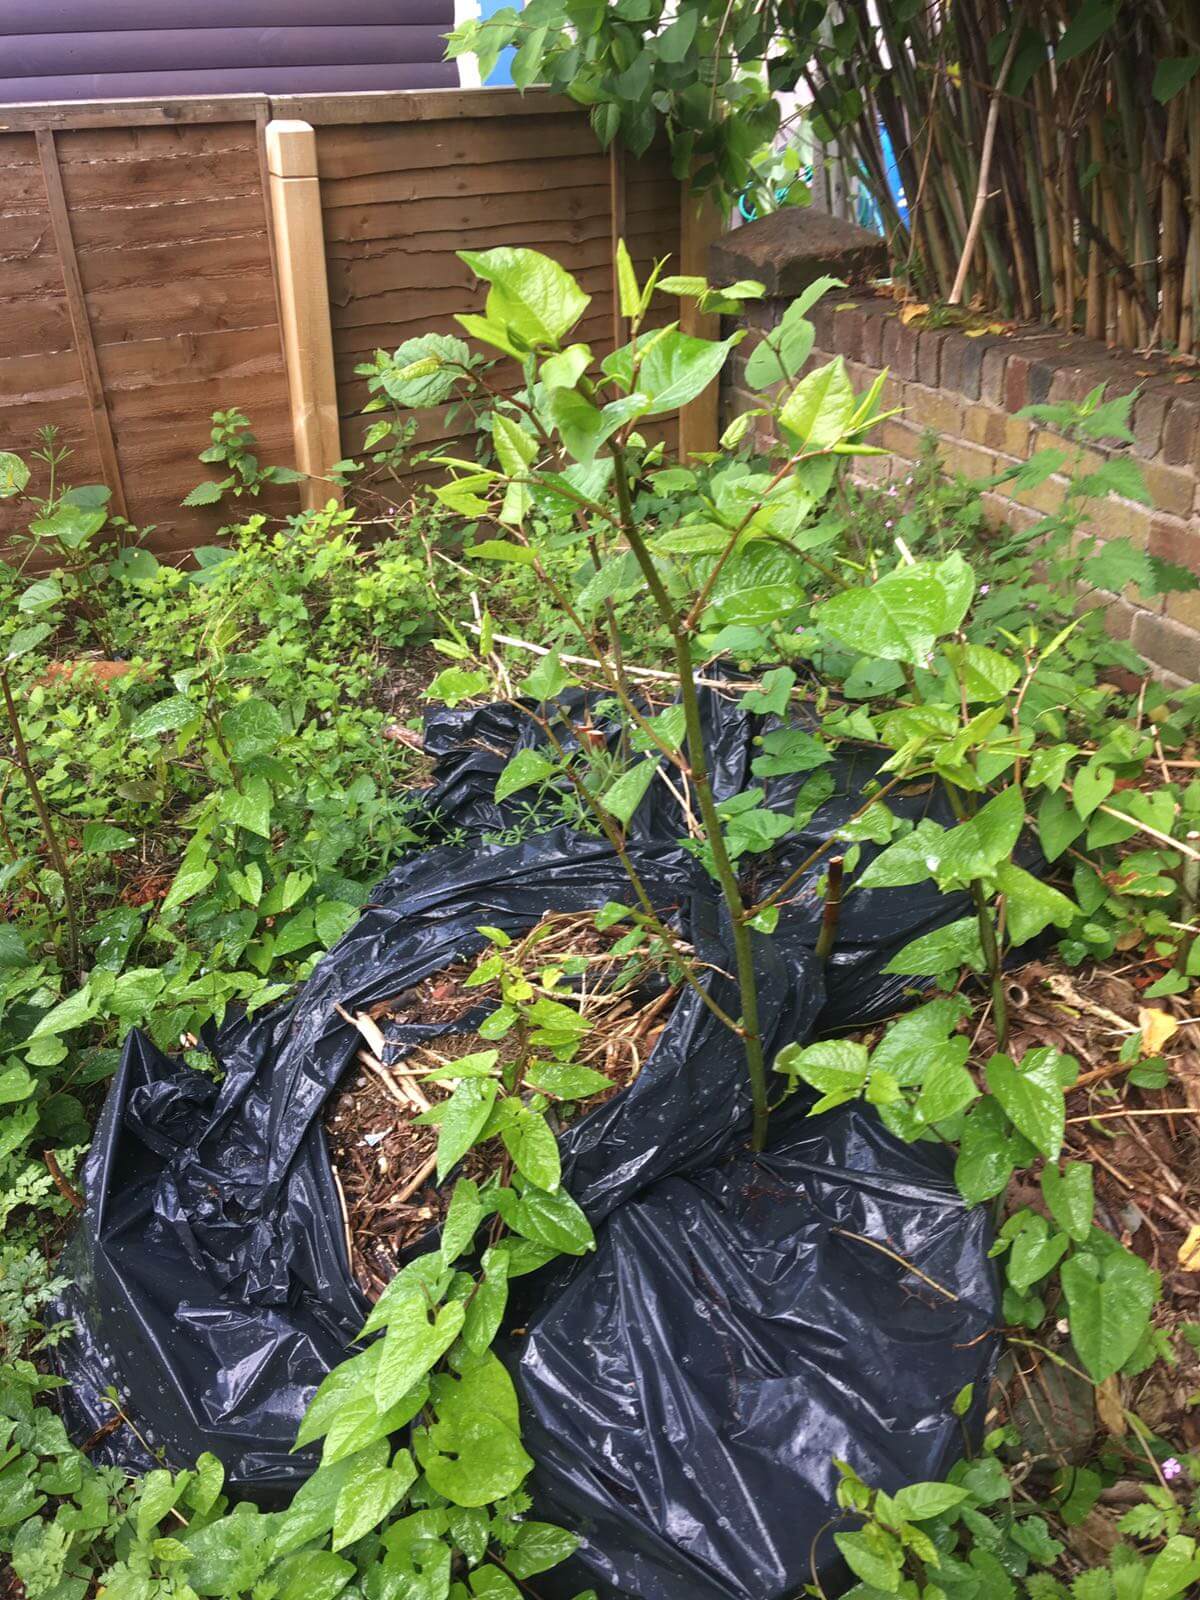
x: 573, y: 438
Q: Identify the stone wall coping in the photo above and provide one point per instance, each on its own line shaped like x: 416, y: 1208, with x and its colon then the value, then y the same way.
x: 787, y: 250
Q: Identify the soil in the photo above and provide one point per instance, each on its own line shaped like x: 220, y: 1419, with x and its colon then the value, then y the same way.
x: 383, y: 1160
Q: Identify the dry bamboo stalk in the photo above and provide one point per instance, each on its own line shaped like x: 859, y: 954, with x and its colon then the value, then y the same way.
x: 422, y: 1176
x: 1193, y: 203
x: 1048, y: 161
x: 1172, y: 222
x: 1123, y: 321
x: 1097, y: 319
x: 985, y: 167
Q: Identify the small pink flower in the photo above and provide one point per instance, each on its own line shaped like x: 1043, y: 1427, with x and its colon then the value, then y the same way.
x: 984, y: 587
x: 889, y: 523
x: 1171, y: 1468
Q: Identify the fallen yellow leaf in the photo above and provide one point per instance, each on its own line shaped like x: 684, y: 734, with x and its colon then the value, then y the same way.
x: 909, y: 313
x: 1189, y: 1250
x: 1157, y: 1027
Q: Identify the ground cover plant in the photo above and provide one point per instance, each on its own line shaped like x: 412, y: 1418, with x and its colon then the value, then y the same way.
x: 206, y: 773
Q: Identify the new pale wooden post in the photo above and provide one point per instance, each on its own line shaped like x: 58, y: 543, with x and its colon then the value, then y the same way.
x: 304, y: 306
x: 699, y: 226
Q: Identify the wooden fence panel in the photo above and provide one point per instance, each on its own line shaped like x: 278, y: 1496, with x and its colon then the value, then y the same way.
x: 163, y: 263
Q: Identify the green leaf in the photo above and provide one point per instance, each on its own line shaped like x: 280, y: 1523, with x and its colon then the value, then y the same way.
x: 987, y: 1152
x: 902, y: 616
x: 676, y: 40
x: 71, y: 524
x: 772, y: 695
x: 1173, y: 1571
x: 229, y: 1556
x: 249, y: 806
x: 955, y: 945
x: 526, y: 767
x: 45, y: 592
x: 472, y: 1453
x: 462, y: 1119
x: 875, y: 1562
x: 622, y: 798
x: 25, y: 640
x: 564, y: 371
x: 917, y: 1502
x: 1069, y: 1197
x: 983, y: 674
x: 99, y: 838
x: 553, y: 1220
x: 790, y: 750
x: 1030, y: 904
x: 72, y: 1012
x: 838, y: 1068
x: 251, y: 728
x: 463, y: 1216
x: 1032, y: 1095
x: 1110, y: 1295
x: 537, y: 1547
x: 675, y: 368
x: 187, y: 884
x: 413, y: 1345
x: 14, y: 475
x: 1035, y: 1251
x: 534, y: 1149
x: 531, y: 296
x: 1092, y: 786
x: 167, y: 716
x: 1172, y: 74
x: 424, y: 371
x: 204, y: 494
x: 1059, y: 824
x: 369, y: 1496
x: 820, y: 406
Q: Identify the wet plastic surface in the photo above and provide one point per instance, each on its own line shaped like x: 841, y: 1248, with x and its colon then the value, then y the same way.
x: 684, y: 1387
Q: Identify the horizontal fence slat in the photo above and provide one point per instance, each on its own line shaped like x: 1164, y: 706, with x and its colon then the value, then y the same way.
x: 71, y: 16
x: 161, y: 50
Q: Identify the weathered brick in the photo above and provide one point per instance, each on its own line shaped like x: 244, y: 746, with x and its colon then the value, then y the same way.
x: 1170, y: 489
x: 1000, y: 510
x: 997, y: 430
x: 1016, y: 382
x: 901, y: 437
x: 1113, y: 518
x: 991, y: 379
x: 822, y: 318
x: 1079, y: 458
x: 1167, y: 643
x: 1173, y: 539
x: 872, y: 335
x: 1041, y: 376
x: 929, y: 356
x: 962, y: 364
x: 1149, y: 418
x: 971, y: 460
x: 1046, y: 496
x: 930, y: 408
x: 846, y: 333
x: 899, y: 349
x: 1118, y: 613
x: 1180, y: 433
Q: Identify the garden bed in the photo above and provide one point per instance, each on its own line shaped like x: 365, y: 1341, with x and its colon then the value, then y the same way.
x: 384, y: 1157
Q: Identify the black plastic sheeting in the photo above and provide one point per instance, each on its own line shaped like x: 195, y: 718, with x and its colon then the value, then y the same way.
x: 684, y: 1387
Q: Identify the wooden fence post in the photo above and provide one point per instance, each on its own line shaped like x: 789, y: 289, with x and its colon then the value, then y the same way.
x: 700, y: 224
x: 304, y: 305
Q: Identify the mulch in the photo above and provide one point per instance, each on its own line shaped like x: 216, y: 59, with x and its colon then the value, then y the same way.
x: 384, y: 1160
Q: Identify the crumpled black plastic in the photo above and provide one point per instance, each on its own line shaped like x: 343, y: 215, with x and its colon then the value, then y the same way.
x: 686, y: 1432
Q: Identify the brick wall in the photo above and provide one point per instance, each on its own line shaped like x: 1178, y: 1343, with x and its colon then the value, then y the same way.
x: 968, y: 391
